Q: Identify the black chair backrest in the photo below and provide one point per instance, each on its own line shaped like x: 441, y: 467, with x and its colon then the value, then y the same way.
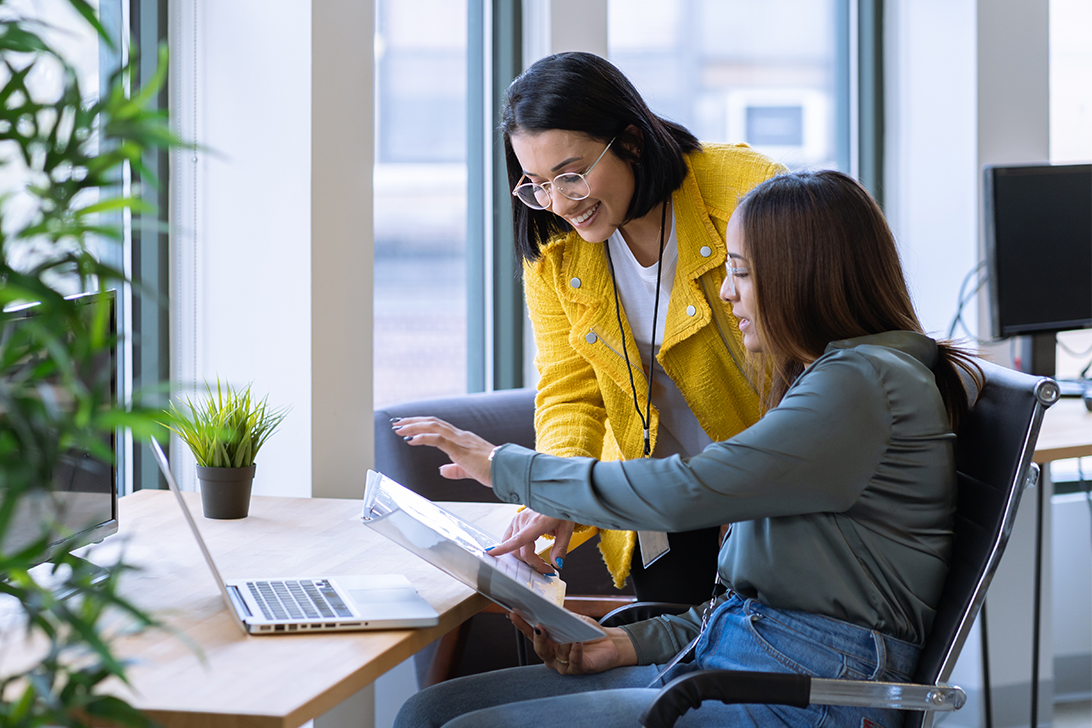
x: 993, y: 462
x: 502, y: 416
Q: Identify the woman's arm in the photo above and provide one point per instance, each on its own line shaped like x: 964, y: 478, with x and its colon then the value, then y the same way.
x: 569, y: 413
x: 815, y: 452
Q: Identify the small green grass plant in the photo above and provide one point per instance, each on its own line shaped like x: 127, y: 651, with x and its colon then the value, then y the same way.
x: 227, y: 427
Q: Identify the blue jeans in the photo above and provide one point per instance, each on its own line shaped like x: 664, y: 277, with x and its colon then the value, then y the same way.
x: 742, y: 635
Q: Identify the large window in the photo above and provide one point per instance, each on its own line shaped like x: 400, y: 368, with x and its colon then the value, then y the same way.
x: 94, y: 61
x: 67, y: 32
x: 420, y: 199
x: 773, y: 74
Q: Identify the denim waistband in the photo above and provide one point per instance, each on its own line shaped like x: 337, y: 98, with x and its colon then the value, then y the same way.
x: 889, y: 653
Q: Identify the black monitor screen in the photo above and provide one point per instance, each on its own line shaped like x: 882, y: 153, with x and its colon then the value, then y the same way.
x: 82, y: 506
x: 1039, y: 247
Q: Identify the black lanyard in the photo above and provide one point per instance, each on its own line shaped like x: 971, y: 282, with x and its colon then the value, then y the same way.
x: 646, y: 417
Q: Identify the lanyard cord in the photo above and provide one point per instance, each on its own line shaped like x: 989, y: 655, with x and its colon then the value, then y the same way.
x: 646, y: 418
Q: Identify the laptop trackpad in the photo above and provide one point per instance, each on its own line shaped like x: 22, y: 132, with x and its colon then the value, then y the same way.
x: 382, y: 596
x: 385, y: 597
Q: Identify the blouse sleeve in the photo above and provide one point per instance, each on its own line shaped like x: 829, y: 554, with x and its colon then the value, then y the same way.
x: 815, y: 452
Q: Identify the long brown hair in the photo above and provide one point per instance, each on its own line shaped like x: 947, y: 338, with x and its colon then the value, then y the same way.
x: 826, y: 268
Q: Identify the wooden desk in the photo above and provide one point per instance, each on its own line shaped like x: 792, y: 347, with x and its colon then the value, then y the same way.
x: 268, y: 681
x: 1066, y: 432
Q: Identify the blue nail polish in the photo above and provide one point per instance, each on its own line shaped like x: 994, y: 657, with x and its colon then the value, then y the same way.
x: 407, y: 438
x: 491, y: 548
x: 560, y: 563
x: 396, y: 419
x: 552, y: 573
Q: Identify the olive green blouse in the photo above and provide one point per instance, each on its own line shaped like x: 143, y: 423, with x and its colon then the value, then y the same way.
x: 842, y: 497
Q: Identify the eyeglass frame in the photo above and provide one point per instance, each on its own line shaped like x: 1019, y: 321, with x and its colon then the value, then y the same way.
x: 582, y: 175
x: 730, y: 278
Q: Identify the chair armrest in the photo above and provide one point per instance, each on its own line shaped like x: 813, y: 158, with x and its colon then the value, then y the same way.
x: 688, y: 691
x: 732, y: 686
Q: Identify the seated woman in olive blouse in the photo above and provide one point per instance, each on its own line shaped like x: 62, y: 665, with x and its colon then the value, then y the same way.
x: 841, y: 497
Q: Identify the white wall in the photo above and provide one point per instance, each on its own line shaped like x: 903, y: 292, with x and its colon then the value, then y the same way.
x: 245, y: 246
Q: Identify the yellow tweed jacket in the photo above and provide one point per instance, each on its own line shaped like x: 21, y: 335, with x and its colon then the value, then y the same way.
x: 584, y: 405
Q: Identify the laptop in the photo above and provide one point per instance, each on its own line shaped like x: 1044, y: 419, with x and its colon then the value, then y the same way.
x: 460, y: 549
x: 312, y: 604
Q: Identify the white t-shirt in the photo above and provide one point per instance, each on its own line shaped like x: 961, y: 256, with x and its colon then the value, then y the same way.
x: 679, y: 431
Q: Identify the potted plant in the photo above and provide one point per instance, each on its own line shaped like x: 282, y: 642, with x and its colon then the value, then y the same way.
x: 62, y: 196
x: 224, y: 432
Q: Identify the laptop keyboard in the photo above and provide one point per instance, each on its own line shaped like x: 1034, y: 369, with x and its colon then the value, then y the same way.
x: 298, y: 599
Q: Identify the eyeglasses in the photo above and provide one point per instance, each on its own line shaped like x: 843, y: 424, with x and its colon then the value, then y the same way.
x: 730, y: 281
x: 573, y: 185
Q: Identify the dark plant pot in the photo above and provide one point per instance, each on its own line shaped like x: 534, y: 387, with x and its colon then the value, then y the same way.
x: 225, y: 492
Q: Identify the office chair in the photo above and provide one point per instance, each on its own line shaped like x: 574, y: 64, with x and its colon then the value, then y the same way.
x: 500, y: 417
x: 993, y: 464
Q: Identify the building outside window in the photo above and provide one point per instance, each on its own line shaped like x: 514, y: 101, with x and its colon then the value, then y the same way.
x: 771, y: 74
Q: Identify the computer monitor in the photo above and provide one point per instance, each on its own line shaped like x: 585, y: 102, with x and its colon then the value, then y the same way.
x: 1038, y: 224
x: 83, y: 499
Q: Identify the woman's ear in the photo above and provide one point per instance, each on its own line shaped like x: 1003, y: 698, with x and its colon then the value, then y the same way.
x: 633, y: 140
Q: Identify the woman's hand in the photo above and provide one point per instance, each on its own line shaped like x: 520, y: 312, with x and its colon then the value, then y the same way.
x: 579, y: 658
x: 469, y: 453
x: 524, y: 530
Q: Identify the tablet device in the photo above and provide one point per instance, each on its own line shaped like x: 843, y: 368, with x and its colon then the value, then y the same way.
x: 460, y: 549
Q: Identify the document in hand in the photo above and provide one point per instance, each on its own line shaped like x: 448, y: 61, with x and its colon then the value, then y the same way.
x: 459, y: 548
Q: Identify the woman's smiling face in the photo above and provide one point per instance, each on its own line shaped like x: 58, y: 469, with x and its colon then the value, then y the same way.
x: 544, y: 155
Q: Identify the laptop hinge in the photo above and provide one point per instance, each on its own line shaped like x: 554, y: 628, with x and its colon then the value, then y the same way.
x: 237, y: 599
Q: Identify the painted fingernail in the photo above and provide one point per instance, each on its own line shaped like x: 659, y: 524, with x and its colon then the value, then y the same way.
x: 491, y: 548
x: 407, y: 438
x: 396, y: 419
x: 538, y: 631
x: 396, y: 428
x: 552, y: 573
x: 560, y: 563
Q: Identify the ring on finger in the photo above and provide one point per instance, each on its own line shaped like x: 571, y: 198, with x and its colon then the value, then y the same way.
x: 563, y: 662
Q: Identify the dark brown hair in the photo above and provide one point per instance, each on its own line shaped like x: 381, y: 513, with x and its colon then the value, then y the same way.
x: 826, y: 268
x: 584, y: 93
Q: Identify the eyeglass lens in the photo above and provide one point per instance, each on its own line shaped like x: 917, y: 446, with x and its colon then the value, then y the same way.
x: 733, y: 274
x: 572, y: 185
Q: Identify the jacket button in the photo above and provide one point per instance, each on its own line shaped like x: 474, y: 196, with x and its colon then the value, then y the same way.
x: 591, y: 338
x: 575, y: 283
x: 690, y: 310
x: 705, y: 251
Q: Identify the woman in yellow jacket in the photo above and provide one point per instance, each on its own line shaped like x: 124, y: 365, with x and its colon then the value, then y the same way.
x: 619, y: 218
